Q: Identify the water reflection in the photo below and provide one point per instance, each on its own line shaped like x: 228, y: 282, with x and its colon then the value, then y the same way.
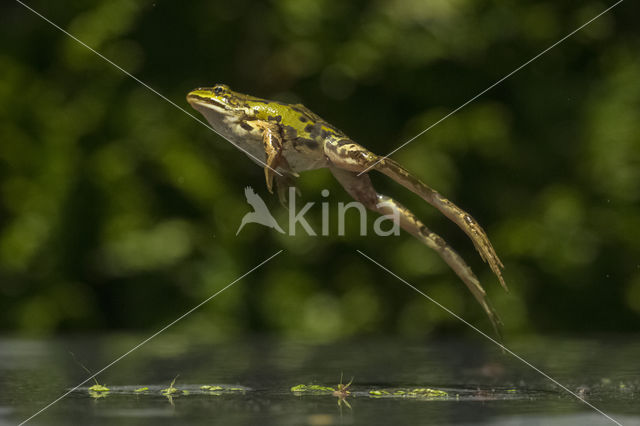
x: 249, y: 381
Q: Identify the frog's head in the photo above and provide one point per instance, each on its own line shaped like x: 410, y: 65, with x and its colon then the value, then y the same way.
x: 221, y: 106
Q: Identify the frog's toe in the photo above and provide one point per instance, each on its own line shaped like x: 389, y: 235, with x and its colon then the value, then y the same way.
x: 283, y: 185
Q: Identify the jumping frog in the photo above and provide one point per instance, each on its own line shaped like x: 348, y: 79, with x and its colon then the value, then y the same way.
x: 288, y: 139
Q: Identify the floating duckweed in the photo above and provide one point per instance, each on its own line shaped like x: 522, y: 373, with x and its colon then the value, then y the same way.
x: 210, y: 387
x: 413, y: 393
x: 236, y: 389
x: 97, y: 395
x: 311, y: 389
x: 99, y: 388
x: 98, y: 391
x: 512, y: 390
x: 144, y: 389
x: 428, y: 392
x: 185, y: 392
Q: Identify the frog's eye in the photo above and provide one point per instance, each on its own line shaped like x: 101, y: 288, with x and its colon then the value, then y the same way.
x: 219, y: 89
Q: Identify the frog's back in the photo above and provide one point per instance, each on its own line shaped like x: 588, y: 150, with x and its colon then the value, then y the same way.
x: 304, y: 133
x: 296, y: 116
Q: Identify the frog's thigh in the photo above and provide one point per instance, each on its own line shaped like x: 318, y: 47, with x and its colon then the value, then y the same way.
x: 348, y: 155
x: 359, y: 187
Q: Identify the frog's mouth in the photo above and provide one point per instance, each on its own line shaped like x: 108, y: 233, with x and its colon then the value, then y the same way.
x: 197, y: 100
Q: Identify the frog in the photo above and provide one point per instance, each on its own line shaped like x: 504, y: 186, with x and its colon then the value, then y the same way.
x: 287, y: 139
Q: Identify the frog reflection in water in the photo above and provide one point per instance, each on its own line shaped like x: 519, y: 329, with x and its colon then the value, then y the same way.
x: 292, y: 139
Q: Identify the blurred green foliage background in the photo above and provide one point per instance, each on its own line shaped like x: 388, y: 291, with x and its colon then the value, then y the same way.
x: 119, y: 212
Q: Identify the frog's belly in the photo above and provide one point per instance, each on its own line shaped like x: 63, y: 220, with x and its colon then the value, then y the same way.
x: 299, y: 160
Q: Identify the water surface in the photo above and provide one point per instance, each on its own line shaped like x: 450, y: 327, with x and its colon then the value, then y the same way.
x: 250, y: 381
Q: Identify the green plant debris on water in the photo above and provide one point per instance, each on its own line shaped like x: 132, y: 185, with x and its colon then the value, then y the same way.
x: 211, y: 387
x: 98, y: 391
x: 99, y: 388
x: 427, y: 393
x: 101, y: 391
x: 315, y: 389
x: 342, y: 391
x: 171, y: 390
x: 98, y: 395
x: 216, y: 390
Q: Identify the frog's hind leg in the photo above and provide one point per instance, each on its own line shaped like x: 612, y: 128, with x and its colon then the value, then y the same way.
x: 351, y: 156
x: 361, y: 189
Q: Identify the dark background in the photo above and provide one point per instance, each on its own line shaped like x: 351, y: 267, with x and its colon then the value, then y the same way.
x: 119, y: 212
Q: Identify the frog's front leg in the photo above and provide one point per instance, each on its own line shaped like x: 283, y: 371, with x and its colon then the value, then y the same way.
x: 348, y: 155
x: 272, y: 141
x: 361, y: 189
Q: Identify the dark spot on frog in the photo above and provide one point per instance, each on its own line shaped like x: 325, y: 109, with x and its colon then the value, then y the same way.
x: 309, y: 143
x: 289, y: 133
x: 317, y: 131
x: 277, y: 118
x: 342, y: 147
x: 357, y: 155
x: 246, y: 126
x: 439, y: 241
x: 303, y: 118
